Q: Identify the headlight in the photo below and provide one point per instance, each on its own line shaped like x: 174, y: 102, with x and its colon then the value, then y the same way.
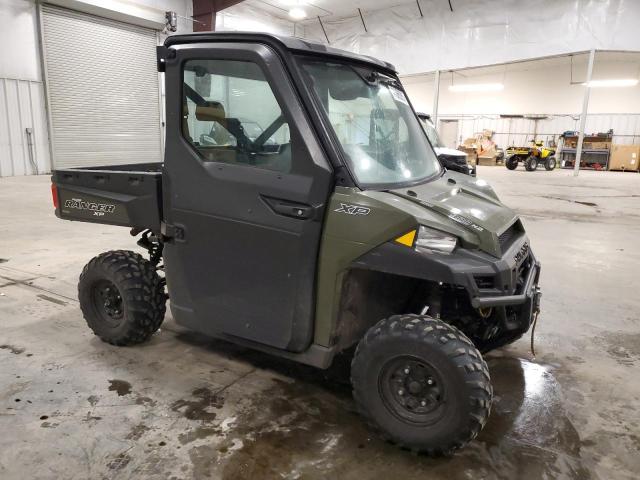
x: 434, y: 241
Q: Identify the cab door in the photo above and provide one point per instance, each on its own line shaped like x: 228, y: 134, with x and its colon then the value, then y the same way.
x: 245, y: 185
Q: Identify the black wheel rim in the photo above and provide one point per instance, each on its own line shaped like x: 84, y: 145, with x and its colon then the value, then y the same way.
x: 412, y: 390
x: 108, y: 303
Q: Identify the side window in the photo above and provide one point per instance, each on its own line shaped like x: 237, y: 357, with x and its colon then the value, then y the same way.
x: 231, y: 115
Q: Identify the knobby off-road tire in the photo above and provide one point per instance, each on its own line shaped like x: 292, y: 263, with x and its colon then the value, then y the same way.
x: 550, y: 163
x: 447, y: 392
x: 122, y: 297
x: 531, y: 164
x: 511, y: 162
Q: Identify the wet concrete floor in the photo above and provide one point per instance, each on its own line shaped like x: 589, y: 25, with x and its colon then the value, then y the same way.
x: 184, y: 406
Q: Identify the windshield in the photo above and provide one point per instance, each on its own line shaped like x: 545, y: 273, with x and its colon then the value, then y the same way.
x: 381, y: 137
x: 431, y: 132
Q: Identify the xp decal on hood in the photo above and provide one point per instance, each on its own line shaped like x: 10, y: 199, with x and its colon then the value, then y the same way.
x: 352, y: 209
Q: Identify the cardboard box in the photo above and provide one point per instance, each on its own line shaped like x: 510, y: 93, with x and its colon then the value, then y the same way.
x: 624, y: 157
x: 600, y: 145
x: 472, y: 156
x: 487, y: 133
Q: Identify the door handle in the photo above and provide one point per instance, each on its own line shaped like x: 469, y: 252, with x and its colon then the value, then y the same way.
x: 290, y: 209
x: 295, y: 211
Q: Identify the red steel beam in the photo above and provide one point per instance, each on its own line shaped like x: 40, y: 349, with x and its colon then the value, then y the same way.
x: 204, y: 13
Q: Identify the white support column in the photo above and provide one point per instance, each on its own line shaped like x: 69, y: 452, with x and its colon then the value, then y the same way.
x: 583, y: 116
x: 436, y: 97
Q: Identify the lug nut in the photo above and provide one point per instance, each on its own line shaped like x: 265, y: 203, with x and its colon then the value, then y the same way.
x: 406, y: 371
x: 423, y: 403
x: 430, y: 382
x: 400, y: 392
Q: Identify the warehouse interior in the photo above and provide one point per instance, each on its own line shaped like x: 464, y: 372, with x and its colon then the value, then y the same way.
x: 540, y: 101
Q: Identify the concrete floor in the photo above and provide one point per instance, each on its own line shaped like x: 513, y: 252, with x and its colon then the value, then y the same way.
x: 183, y: 406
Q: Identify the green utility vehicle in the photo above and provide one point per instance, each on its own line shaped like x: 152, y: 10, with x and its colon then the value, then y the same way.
x: 330, y: 227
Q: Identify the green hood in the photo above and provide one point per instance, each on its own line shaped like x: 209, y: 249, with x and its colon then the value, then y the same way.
x: 462, y: 202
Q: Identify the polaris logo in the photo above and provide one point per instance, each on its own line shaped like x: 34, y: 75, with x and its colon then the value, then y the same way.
x: 352, y: 209
x: 98, y: 209
x: 522, y: 253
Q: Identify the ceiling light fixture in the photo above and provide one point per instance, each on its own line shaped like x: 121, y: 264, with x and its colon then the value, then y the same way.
x: 297, y: 13
x: 476, y: 87
x: 622, y: 82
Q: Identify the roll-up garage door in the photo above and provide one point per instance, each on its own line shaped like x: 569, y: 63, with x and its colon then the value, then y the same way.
x: 102, y: 86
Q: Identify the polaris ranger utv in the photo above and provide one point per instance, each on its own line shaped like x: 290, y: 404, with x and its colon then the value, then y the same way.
x: 329, y: 227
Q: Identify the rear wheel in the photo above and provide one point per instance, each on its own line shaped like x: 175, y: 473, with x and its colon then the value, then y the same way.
x: 511, y: 162
x: 531, y: 163
x: 421, y: 383
x: 550, y: 163
x: 122, y: 298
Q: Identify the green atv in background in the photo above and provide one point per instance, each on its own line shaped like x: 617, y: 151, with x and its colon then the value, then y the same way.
x: 531, y: 157
x: 331, y: 228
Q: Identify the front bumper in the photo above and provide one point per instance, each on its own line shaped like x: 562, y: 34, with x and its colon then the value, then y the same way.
x: 504, y: 288
x: 530, y: 291
x: 511, y: 280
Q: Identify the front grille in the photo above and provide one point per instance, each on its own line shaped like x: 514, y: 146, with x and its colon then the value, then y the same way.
x: 522, y: 272
x: 484, y: 281
x: 507, y: 237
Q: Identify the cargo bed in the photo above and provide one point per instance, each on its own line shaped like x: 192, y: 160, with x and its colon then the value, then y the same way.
x: 127, y: 195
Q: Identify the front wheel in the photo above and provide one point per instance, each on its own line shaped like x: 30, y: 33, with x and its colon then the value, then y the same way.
x: 531, y: 164
x: 421, y: 383
x: 122, y: 298
x: 550, y: 164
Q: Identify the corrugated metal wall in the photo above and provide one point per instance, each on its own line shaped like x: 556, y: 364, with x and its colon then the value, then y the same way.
x: 519, y: 131
x: 22, y: 106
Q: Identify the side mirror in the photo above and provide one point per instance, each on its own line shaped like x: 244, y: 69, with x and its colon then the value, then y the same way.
x: 210, y: 112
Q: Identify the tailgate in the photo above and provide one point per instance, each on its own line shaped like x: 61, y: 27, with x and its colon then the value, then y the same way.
x: 110, y: 195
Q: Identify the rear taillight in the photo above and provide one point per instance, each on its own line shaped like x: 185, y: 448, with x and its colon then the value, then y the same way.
x: 54, y: 195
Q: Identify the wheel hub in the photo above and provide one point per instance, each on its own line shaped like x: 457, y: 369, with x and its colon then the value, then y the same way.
x: 412, y: 389
x: 108, y: 301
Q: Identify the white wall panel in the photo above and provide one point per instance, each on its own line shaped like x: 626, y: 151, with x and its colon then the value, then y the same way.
x: 482, y: 32
x: 248, y: 18
x: 19, y: 40
x: 22, y: 107
x: 548, y: 86
x: 519, y: 131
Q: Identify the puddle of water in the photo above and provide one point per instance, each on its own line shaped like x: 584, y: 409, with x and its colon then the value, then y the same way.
x: 13, y: 349
x: 137, y: 432
x: 621, y: 346
x: 121, y: 387
x: 200, y: 408
x: 302, y: 429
